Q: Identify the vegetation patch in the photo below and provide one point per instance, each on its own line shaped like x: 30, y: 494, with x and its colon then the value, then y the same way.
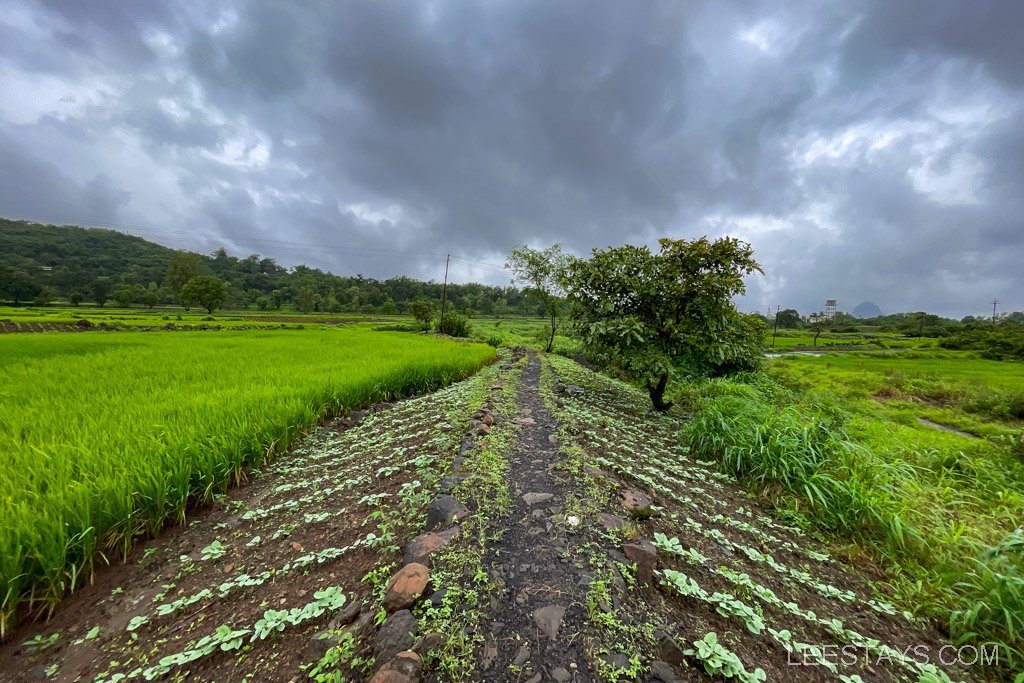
x: 108, y: 438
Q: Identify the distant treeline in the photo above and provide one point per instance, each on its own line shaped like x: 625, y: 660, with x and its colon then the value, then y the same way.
x: 918, y: 324
x: 41, y: 264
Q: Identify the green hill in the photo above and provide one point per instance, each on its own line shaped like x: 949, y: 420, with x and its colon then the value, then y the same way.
x: 43, y: 263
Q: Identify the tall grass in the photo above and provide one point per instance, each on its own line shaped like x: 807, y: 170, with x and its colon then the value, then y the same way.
x: 106, y: 437
x: 941, y: 510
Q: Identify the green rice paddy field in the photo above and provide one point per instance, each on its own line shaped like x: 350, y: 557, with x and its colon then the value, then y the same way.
x: 105, y: 437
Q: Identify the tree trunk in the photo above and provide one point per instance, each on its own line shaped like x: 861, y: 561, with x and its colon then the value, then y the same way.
x: 657, y: 392
x: 551, y: 339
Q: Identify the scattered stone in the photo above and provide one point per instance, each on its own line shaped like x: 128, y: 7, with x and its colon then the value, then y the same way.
x: 636, y: 503
x: 645, y: 555
x: 484, y: 430
x: 662, y: 672
x: 443, y: 511
x: 347, y: 615
x: 535, y: 678
x: 423, y: 546
x: 561, y: 674
x: 489, y: 654
x: 572, y: 520
x: 526, y: 421
x: 395, y: 635
x: 449, y: 483
x: 553, y: 439
x: 321, y: 642
x: 669, y: 650
x: 383, y: 405
x: 488, y: 420
x: 549, y: 619
x: 523, y: 656
x: 437, y: 597
x: 431, y: 642
x: 611, y: 522
x: 532, y: 499
x: 360, y: 626
x: 616, y: 660
x: 574, y: 389
x: 559, y: 388
x: 405, y: 587
x: 404, y: 668
x: 297, y: 547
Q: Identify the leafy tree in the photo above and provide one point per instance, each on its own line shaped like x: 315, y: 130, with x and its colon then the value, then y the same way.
x: 649, y: 313
x: 75, y: 297
x: 16, y: 284
x: 101, y: 290
x: 44, y: 296
x: 151, y: 297
x: 542, y: 271
x: 423, y: 310
x: 331, y: 303
x: 388, y: 307
x: 500, y: 307
x: 124, y: 295
x: 306, y: 299
x: 818, y: 322
x: 184, y: 266
x: 789, y: 318
x: 206, y: 291
x: 264, y: 303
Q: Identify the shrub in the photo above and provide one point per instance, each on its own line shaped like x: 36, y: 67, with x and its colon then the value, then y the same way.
x: 454, y: 325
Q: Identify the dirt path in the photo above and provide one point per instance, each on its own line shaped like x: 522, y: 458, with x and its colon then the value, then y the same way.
x: 538, y: 612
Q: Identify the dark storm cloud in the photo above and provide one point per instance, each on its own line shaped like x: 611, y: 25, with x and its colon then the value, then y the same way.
x: 868, y: 150
x: 39, y: 188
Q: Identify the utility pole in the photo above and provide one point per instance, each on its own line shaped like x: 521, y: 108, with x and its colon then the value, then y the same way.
x: 776, y: 330
x: 995, y: 302
x: 444, y: 288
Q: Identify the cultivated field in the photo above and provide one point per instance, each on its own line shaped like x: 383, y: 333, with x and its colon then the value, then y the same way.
x: 592, y: 546
x: 869, y: 500
x: 108, y: 436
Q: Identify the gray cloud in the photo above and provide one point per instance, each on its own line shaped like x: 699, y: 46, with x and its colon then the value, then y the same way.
x: 868, y: 150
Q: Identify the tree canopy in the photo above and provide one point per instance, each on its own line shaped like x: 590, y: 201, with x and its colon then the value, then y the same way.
x: 650, y: 314
x: 542, y: 272
x: 206, y: 291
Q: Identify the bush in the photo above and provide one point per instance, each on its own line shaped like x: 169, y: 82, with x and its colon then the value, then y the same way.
x: 454, y: 325
x: 802, y: 451
x: 494, y: 341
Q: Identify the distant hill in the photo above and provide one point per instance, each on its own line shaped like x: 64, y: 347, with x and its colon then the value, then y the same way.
x: 42, y: 263
x: 77, y: 256
x: 867, y: 310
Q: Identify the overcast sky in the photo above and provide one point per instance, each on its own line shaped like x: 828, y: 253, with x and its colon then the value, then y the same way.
x: 868, y: 150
